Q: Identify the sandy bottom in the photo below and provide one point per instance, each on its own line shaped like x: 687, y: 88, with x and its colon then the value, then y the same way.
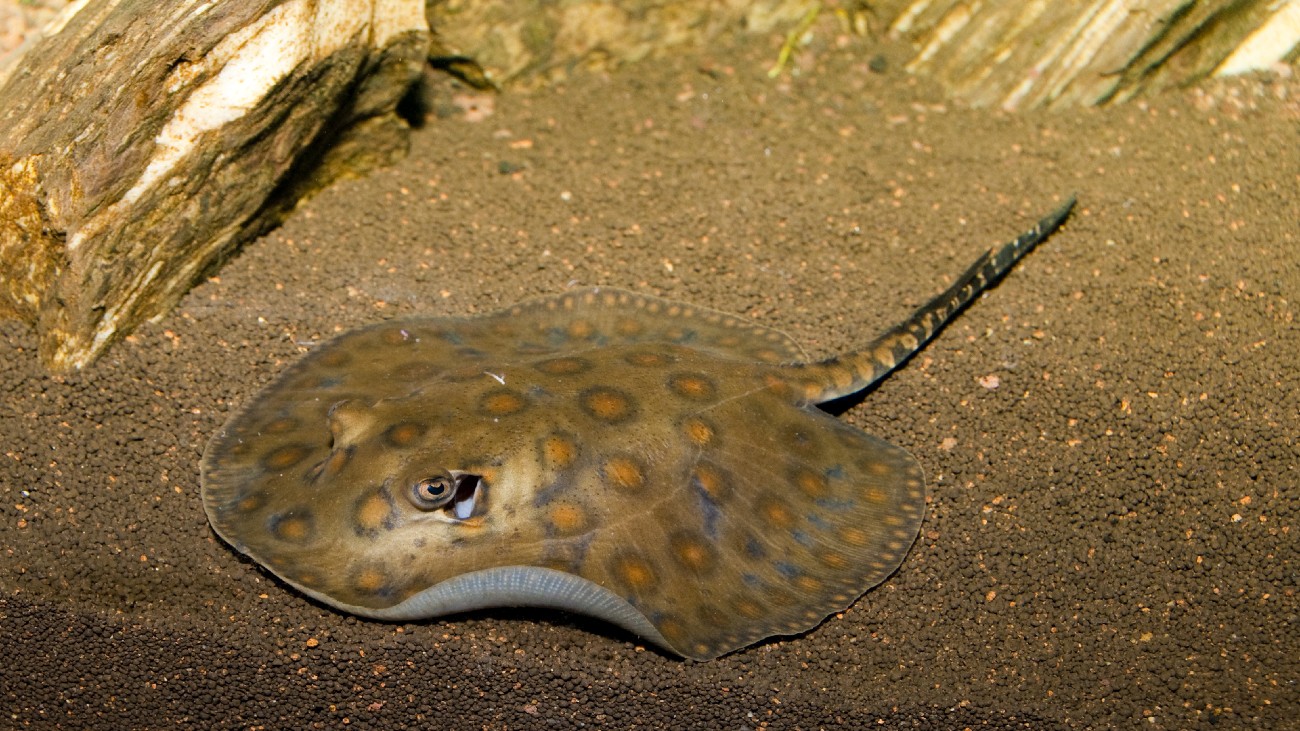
x: 1110, y: 437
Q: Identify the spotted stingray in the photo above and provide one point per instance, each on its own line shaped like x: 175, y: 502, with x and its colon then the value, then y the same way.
x: 658, y: 465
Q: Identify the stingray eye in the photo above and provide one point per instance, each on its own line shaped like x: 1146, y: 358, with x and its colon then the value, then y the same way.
x: 433, y: 492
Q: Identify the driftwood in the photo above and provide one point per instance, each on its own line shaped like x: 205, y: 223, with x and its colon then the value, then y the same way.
x: 141, y: 142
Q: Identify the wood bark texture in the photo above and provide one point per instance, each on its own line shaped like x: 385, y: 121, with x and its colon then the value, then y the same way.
x: 142, y: 142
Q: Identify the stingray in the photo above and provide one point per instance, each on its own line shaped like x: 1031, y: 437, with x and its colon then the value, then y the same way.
x: 657, y: 465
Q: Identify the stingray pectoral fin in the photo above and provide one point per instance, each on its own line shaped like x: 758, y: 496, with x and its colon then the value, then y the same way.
x: 512, y: 586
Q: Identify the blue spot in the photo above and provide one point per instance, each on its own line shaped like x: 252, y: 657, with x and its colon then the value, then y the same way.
x: 803, y: 539
x: 788, y: 570
x: 752, y: 580
x: 818, y: 521
x: 837, y: 472
x: 838, y: 505
x: 551, y: 491
x: 569, y: 551
x: 754, y: 549
x: 709, y: 509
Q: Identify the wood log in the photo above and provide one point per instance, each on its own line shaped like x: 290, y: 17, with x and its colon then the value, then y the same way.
x: 142, y: 142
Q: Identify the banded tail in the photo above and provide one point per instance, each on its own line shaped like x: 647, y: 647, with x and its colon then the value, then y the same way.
x: 849, y: 373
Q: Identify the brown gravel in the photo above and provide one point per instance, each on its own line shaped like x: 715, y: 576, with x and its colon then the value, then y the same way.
x: 1110, y: 436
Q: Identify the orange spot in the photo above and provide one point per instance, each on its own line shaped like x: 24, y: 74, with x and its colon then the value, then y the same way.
x: 833, y: 559
x: 607, y: 404
x: 559, y: 451
x: 293, y: 528
x: 563, y: 366
x: 338, y: 460
x: 692, y: 553
x: 373, y: 512
x: 404, y: 434
x: 646, y: 359
x: 777, y: 385
x: 281, y: 425
x: 811, y: 483
x: 580, y: 329
x: 776, y: 513
x: 635, y: 572
x: 749, y: 608
x: 691, y: 386
x: 767, y: 355
x: 503, y: 403
x: 285, y: 457
x: 884, y: 356
x: 628, y: 327
x: 842, y: 377
x: 876, y: 495
x: 854, y: 536
x: 699, y: 431
x: 369, y: 581
x: 567, y: 518
x: 711, y: 480
x: 675, y: 334
x: 671, y: 629
x: 249, y: 503
x: 878, y: 468
x: 808, y: 583
x: 624, y: 473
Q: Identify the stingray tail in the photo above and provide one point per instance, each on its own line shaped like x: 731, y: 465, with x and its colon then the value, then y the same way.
x: 849, y: 373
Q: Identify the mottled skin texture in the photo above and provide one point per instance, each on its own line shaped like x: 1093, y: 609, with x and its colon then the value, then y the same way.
x: 670, y: 454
